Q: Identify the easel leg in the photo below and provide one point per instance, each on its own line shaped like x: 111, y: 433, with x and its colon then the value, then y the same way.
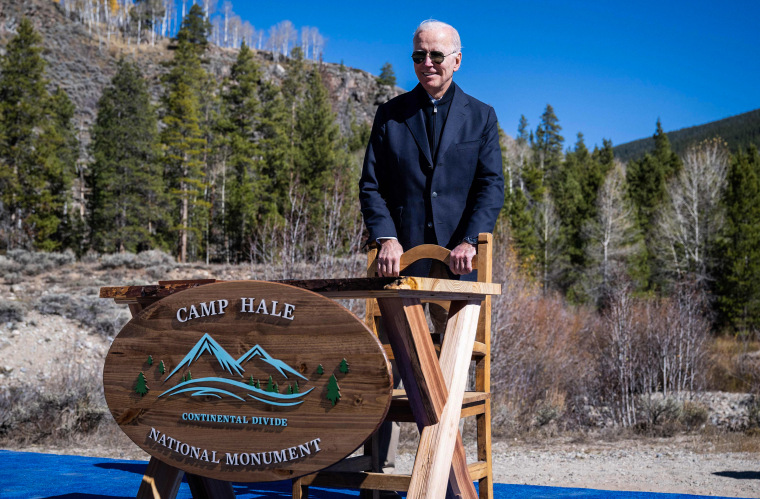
x: 300, y: 491
x: 160, y: 481
x: 207, y: 488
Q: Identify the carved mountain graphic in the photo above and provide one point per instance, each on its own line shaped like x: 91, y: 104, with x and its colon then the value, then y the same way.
x: 219, y: 387
x: 207, y: 344
x: 258, y: 351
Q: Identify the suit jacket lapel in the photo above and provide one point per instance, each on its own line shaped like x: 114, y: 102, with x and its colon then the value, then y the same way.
x: 416, y: 124
x: 455, y: 120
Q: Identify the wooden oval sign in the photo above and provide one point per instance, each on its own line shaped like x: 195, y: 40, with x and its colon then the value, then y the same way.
x: 247, y: 381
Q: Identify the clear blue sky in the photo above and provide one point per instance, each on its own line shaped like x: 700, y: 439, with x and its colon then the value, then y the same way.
x: 608, y: 68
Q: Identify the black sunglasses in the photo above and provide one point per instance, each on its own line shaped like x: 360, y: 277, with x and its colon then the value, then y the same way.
x: 418, y: 56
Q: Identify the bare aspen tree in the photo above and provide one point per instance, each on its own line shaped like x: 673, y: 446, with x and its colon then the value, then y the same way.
x: 235, y: 25
x: 305, y: 41
x: 613, y: 237
x: 692, y: 216
x: 217, y: 25
x: 517, y: 154
x: 548, y: 225
x: 288, y: 36
x: 296, y: 224
x: 209, y: 7
x: 247, y: 33
x: 273, y: 41
x: 317, y: 44
x: 260, y: 39
x: 622, y: 353
x: 226, y: 14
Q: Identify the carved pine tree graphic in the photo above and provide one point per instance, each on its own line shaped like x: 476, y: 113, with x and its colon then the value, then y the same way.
x: 333, y: 390
x: 141, y: 386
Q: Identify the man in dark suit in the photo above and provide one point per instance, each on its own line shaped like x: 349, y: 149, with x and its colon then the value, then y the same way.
x: 432, y: 171
x: 432, y: 174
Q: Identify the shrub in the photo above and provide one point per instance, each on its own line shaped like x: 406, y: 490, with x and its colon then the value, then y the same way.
x: 658, y: 411
x: 157, y: 263
x: 11, y: 311
x: 115, y: 260
x: 753, y: 414
x: 33, y: 263
x: 693, y: 415
x: 69, y: 406
x: 103, y: 316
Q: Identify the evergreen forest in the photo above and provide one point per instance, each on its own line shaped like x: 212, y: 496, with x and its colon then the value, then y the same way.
x: 614, y: 273
x: 249, y: 170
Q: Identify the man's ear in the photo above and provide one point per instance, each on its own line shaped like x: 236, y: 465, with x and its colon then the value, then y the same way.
x: 458, y: 61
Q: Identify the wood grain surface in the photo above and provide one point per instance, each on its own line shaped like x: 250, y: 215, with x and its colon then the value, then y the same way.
x: 208, y: 360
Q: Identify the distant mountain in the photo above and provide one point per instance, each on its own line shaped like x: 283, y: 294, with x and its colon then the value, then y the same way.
x: 738, y: 131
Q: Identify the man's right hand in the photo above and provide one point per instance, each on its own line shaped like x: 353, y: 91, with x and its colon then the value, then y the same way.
x: 389, y: 258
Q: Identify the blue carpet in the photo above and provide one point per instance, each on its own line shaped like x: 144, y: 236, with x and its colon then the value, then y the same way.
x: 27, y: 475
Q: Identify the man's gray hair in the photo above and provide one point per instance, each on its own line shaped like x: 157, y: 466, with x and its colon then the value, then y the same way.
x: 432, y: 24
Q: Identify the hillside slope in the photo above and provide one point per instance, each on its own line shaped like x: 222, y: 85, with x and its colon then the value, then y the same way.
x: 82, y: 64
x: 738, y: 131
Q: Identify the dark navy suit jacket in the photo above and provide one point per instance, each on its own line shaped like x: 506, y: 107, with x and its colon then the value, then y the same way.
x: 405, y: 195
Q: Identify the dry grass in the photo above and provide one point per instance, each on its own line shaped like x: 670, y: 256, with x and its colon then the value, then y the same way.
x: 734, y: 364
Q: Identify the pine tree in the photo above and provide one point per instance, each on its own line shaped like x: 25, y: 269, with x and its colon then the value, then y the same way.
x: 574, y: 188
x: 239, y: 125
x: 161, y: 367
x: 36, y: 146
x: 647, y: 181
x: 270, y: 385
x: 522, y: 130
x: 548, y: 143
x: 523, y: 231
x: 195, y: 29
x: 251, y: 382
x: 669, y: 161
x: 738, y: 285
x: 55, y: 221
x: 387, y: 75
x: 184, y: 148
x: 126, y: 203
x: 318, y: 140
x: 275, y: 147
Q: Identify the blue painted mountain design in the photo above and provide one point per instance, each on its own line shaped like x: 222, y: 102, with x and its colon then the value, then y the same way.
x: 222, y: 387
x: 281, y: 367
x: 207, y: 344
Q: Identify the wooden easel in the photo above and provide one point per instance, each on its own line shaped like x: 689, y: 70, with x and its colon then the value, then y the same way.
x: 408, y: 332
x: 435, y: 385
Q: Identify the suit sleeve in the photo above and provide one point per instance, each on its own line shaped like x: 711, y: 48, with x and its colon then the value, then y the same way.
x: 372, y: 191
x: 487, y: 191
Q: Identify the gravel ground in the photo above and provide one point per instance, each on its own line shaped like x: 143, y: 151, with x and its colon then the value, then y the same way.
x: 650, y: 465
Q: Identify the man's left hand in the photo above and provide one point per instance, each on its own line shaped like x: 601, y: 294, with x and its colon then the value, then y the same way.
x: 460, y: 261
